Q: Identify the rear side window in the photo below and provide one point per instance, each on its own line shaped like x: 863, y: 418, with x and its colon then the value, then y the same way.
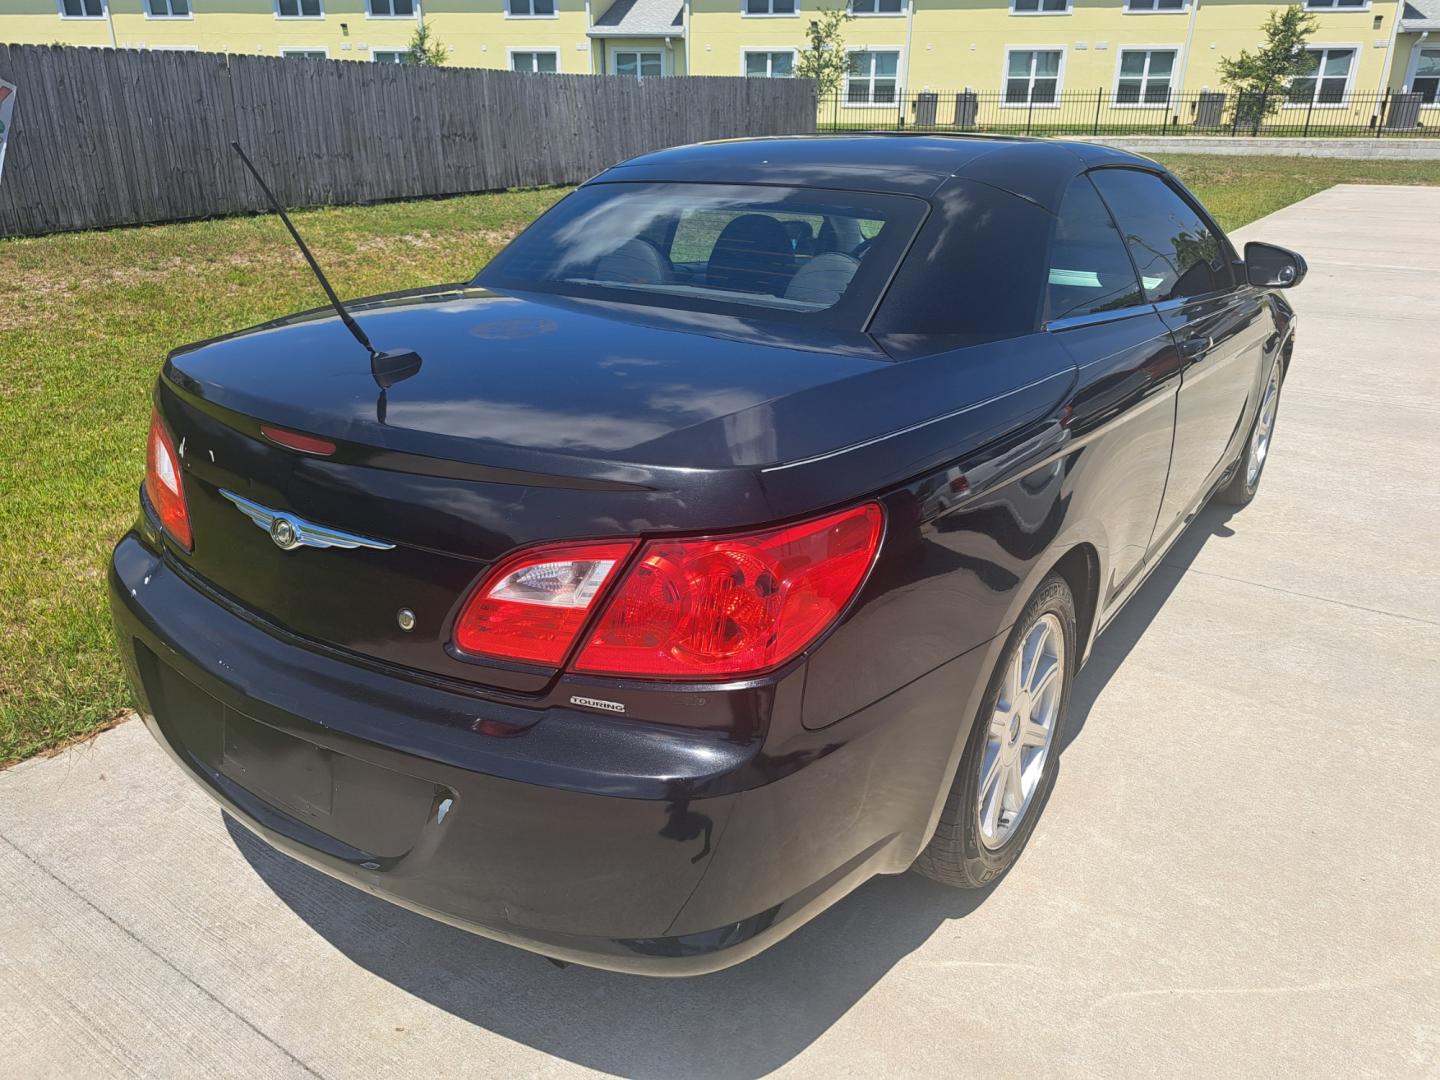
x: 1089, y: 270
x: 1176, y: 252
x: 977, y: 270
x: 755, y: 250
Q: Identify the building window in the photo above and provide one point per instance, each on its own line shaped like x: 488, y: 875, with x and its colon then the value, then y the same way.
x: 299, y: 9
x: 82, y: 9
x: 1332, y: 5
x: 1032, y: 76
x: 1039, y: 7
x: 1144, y: 76
x: 770, y: 65
x: 641, y: 63
x: 877, y: 7
x: 391, y: 9
x: 873, y: 78
x: 390, y: 56
x: 1328, y: 80
x: 1426, y: 81
x: 768, y: 7
x: 306, y: 54
x: 167, y: 9
x: 1155, y: 5
x: 530, y: 9
x: 535, y: 61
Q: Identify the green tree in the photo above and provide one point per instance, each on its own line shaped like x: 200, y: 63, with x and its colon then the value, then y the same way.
x: 424, y: 49
x: 825, y: 59
x: 1261, y: 80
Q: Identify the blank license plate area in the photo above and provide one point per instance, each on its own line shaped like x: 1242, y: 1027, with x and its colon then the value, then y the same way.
x: 283, y: 770
x: 367, y: 807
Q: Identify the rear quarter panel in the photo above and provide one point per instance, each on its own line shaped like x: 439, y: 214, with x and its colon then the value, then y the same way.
x: 1075, y: 457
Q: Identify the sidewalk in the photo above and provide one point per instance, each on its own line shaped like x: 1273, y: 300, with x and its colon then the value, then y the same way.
x: 1359, y: 148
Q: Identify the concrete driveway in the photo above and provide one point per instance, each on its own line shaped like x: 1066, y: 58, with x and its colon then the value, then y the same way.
x: 1237, y: 873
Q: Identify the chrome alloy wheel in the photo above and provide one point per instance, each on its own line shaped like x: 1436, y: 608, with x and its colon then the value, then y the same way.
x: 1264, y: 425
x: 1022, y: 730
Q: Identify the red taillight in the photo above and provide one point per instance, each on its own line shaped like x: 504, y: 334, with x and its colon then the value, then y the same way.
x: 306, y: 444
x: 704, y: 608
x: 531, y: 606
x: 162, y: 484
x: 736, y: 605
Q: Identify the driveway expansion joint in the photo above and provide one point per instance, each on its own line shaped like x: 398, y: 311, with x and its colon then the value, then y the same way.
x: 1184, y: 570
x: 165, y: 960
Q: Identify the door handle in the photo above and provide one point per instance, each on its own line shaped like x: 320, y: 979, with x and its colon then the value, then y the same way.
x: 1194, y: 348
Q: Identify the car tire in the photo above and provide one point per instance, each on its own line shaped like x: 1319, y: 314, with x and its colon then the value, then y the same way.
x: 1251, y: 466
x: 1001, y: 786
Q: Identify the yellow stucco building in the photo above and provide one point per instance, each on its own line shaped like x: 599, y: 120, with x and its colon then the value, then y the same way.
x: 1028, y: 54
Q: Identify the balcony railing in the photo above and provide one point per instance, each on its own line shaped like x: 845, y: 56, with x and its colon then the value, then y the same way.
x: 1106, y: 112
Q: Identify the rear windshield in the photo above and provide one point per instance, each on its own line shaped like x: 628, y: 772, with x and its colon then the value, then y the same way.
x: 750, y: 250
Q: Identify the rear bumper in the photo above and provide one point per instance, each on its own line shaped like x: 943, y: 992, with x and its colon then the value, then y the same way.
x: 609, y: 842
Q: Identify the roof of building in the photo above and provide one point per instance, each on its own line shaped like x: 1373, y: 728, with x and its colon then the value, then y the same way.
x: 1034, y: 169
x: 641, y: 18
x: 1420, y: 15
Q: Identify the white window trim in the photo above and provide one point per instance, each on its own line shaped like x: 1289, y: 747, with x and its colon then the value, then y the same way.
x: 104, y: 11
x: 1330, y: 46
x: 899, y: 78
x: 1069, y: 10
x: 551, y: 49
x: 768, y: 49
x: 769, y: 15
x: 1338, y: 10
x: 1059, y: 78
x: 1120, y: 51
x: 145, y: 8
x: 1184, y: 9
x: 297, y: 18
x: 1414, y: 66
x: 286, y: 50
x: 509, y: 14
x: 414, y: 16
x: 385, y: 49
x: 902, y: 13
x: 614, y: 58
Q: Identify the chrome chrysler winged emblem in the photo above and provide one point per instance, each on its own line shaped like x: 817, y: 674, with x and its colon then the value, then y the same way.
x: 290, y: 532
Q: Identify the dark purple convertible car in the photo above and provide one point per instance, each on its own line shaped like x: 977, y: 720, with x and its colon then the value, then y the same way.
x: 734, y: 536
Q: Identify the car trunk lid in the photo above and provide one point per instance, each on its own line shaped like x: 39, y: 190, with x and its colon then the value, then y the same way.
x: 527, y: 421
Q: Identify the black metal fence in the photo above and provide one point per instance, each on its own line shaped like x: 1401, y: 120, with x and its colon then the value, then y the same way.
x: 1103, y: 112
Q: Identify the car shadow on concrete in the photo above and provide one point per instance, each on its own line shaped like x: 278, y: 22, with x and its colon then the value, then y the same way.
x: 744, y: 1022
x: 1120, y: 637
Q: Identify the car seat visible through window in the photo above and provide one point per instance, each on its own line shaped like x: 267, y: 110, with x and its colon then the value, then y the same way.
x: 635, y: 262
x: 752, y: 254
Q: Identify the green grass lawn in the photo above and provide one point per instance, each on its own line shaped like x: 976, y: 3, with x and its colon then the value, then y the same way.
x: 1237, y: 190
x: 85, y: 323
x: 87, y: 318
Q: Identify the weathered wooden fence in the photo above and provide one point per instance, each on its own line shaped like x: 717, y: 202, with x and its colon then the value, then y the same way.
x: 104, y: 137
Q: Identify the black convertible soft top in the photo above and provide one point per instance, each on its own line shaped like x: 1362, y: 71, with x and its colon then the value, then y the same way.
x: 1036, y: 169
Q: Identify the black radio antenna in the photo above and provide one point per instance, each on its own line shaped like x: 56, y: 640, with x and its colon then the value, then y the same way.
x: 350, y: 324
x: 388, y: 368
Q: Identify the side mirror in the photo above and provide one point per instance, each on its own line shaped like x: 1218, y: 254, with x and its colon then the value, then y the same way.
x: 1272, y: 267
